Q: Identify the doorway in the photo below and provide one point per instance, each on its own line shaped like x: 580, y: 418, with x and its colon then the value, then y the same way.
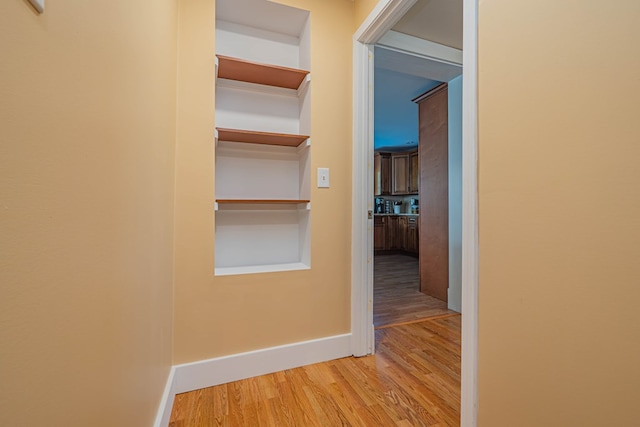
x: 404, y: 247
x: 381, y: 19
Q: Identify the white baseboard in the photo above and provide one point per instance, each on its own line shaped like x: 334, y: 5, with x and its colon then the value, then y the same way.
x: 221, y: 370
x: 166, y: 403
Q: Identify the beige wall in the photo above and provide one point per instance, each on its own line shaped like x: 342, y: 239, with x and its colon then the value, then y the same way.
x: 362, y: 9
x: 217, y: 316
x: 87, y: 108
x: 559, y: 330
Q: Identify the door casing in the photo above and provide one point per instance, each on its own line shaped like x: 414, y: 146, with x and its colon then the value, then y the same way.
x: 384, y: 15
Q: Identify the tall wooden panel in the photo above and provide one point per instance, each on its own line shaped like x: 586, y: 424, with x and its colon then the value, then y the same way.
x: 433, y: 192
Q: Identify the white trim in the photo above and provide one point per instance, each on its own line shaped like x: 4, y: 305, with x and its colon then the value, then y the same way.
x: 379, y: 21
x: 362, y: 203
x: 221, y: 370
x: 426, y: 49
x: 469, y: 377
x: 166, y: 402
x: 383, y: 16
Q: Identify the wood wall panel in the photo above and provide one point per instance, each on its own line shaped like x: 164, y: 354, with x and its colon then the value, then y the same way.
x: 434, y: 194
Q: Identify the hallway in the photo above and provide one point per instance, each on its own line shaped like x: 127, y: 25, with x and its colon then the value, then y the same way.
x: 412, y: 380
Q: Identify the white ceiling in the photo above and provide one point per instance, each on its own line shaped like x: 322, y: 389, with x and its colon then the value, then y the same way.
x: 439, y: 21
x: 400, y: 77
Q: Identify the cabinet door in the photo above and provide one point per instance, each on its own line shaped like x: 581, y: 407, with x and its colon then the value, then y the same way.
x: 379, y: 233
x: 382, y: 174
x: 393, y: 240
x: 400, y: 173
x: 412, y: 235
x: 402, y: 233
x: 414, y: 172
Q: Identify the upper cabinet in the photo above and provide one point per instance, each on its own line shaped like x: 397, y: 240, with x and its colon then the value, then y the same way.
x: 263, y: 138
x: 414, y: 172
x: 400, y: 173
x: 396, y: 173
x: 382, y: 174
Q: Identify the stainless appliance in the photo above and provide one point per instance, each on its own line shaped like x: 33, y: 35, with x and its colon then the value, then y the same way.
x: 413, y: 206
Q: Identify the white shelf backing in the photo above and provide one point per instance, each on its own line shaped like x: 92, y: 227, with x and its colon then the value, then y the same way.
x: 257, y: 45
x: 261, y: 237
x: 238, y: 108
x: 256, y: 171
x: 255, y: 87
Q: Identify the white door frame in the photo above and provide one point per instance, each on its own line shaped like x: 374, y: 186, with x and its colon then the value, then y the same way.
x: 380, y: 20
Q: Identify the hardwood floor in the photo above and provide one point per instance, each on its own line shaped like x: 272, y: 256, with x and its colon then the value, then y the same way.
x: 412, y: 380
x: 396, y: 292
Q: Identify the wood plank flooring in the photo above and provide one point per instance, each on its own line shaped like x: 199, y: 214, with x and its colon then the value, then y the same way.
x: 412, y: 380
x: 396, y: 292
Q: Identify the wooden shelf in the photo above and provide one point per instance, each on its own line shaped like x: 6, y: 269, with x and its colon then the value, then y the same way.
x: 263, y: 201
x: 255, y: 137
x: 255, y: 72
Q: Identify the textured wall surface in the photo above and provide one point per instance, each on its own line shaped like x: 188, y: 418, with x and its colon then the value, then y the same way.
x: 216, y: 316
x: 87, y: 133
x: 559, y: 213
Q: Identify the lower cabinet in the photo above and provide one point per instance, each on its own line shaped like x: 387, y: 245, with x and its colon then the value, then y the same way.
x: 395, y: 233
x: 412, y: 234
x: 393, y: 237
x: 379, y: 233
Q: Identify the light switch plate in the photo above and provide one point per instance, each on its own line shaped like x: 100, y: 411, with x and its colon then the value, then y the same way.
x: 323, y: 177
x: 38, y: 5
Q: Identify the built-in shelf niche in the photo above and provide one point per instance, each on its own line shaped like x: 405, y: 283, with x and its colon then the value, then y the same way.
x: 256, y: 137
x: 262, y: 172
x: 257, y: 238
x: 263, y: 145
x: 258, y: 73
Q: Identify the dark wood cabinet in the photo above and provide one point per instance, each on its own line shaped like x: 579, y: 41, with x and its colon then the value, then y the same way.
x: 434, y: 191
x: 395, y: 233
x: 382, y: 174
x: 405, y: 172
x: 393, y: 239
x: 396, y: 173
x: 412, y: 234
x: 414, y: 172
x: 379, y: 233
x: 400, y: 173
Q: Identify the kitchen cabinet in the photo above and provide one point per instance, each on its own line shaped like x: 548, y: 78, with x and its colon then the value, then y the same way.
x: 414, y: 172
x: 394, y: 240
x: 400, y: 232
x: 379, y: 233
x: 400, y: 173
x: 395, y: 233
x: 433, y: 114
x: 412, y: 235
x: 396, y: 173
x: 404, y: 173
x: 382, y: 174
